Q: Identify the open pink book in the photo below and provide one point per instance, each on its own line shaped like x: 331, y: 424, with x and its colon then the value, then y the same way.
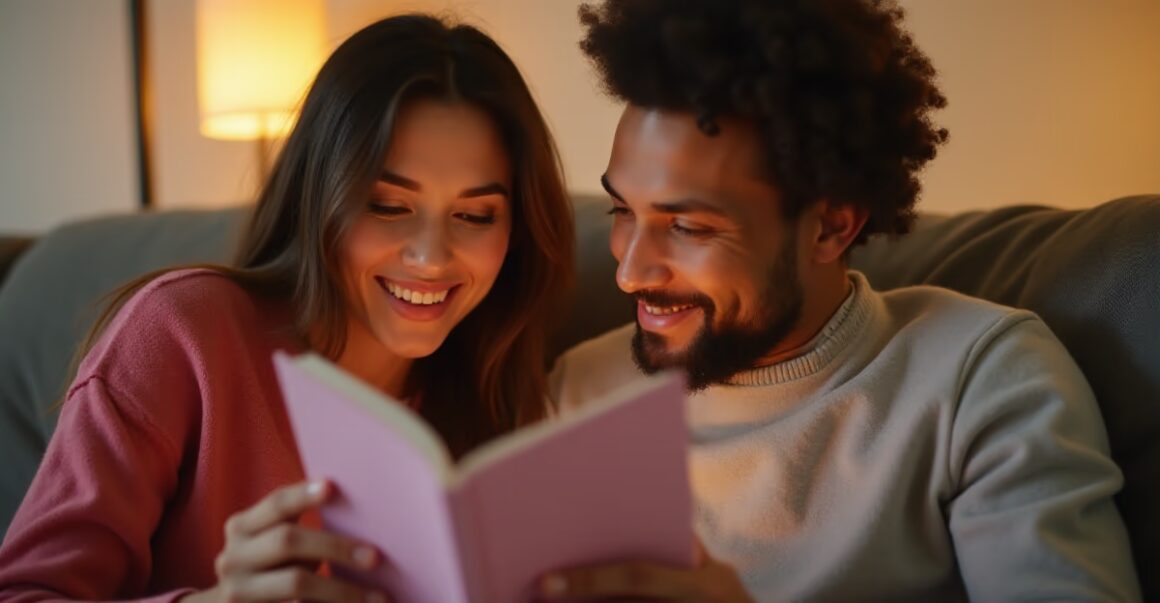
x: 607, y: 483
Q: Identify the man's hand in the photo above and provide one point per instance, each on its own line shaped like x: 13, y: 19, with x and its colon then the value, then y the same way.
x: 709, y: 580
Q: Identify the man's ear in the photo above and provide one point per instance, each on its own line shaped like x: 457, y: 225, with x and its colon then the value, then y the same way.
x: 837, y: 225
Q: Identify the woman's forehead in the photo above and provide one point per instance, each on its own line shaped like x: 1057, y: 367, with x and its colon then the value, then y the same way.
x: 441, y: 137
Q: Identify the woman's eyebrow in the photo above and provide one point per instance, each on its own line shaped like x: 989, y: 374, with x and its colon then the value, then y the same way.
x: 397, y: 180
x: 492, y: 188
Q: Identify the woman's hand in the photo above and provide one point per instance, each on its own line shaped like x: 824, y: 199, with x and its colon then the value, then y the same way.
x: 268, y: 557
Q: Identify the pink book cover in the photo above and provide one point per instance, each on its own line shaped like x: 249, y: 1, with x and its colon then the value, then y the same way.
x: 607, y: 483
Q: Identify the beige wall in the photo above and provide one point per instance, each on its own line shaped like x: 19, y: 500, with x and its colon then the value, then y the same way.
x: 67, y: 146
x: 1051, y: 100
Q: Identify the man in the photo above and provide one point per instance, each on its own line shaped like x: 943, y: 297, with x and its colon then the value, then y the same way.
x: 845, y: 444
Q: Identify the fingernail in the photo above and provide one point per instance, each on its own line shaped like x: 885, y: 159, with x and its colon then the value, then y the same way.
x: 554, y: 585
x: 376, y: 597
x: 365, y: 556
x: 316, y: 488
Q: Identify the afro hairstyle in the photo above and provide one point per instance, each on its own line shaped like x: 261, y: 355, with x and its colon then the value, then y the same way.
x: 837, y: 89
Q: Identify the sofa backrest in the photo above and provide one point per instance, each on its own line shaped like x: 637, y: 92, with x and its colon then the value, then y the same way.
x: 11, y: 248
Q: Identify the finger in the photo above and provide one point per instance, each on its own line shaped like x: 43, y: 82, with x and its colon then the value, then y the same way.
x: 283, y: 504
x: 700, y: 556
x: 301, y: 584
x: 633, y: 579
x: 286, y: 543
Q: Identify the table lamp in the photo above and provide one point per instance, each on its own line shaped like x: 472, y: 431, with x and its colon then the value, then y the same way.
x: 255, y: 60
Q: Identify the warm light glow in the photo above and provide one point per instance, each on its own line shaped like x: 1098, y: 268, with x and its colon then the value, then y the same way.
x: 255, y: 60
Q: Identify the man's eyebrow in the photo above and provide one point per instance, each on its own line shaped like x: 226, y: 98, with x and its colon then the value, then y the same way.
x: 491, y: 188
x: 608, y: 188
x: 688, y: 206
x: 681, y: 206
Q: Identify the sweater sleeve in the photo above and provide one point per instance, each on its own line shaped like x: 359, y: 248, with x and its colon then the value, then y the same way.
x: 93, y: 505
x: 1032, y: 517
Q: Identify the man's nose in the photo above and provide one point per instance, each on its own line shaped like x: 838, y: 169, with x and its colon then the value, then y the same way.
x: 642, y: 261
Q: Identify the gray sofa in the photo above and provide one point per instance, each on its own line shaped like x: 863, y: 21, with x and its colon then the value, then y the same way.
x: 1093, y: 275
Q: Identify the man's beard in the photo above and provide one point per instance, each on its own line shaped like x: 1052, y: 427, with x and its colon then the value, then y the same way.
x: 716, y: 354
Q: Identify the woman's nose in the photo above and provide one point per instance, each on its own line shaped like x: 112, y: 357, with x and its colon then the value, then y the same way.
x: 427, y: 251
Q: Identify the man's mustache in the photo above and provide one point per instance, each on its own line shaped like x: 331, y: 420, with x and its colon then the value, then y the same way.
x: 666, y: 299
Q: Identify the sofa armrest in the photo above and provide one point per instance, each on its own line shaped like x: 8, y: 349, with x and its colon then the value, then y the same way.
x: 11, y: 248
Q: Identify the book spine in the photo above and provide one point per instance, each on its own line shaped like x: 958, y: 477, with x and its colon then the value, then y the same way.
x: 469, y: 541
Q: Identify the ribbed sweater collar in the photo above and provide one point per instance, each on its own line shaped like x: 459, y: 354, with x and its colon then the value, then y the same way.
x: 839, y: 332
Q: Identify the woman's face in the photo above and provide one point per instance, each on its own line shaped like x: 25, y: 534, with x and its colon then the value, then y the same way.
x: 430, y: 241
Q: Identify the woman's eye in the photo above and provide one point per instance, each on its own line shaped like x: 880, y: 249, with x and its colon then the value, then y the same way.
x: 479, y: 219
x: 617, y: 210
x: 381, y: 209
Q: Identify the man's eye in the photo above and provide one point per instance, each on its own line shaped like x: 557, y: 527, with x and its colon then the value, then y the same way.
x: 380, y: 209
x: 690, y: 231
x: 479, y: 219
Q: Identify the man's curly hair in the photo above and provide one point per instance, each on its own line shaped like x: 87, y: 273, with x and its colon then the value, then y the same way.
x: 838, y: 90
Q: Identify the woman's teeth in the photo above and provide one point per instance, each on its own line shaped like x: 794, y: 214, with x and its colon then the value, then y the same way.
x: 419, y: 298
x: 662, y: 311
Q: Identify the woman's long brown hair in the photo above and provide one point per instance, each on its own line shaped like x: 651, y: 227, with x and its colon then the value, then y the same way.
x: 488, y: 376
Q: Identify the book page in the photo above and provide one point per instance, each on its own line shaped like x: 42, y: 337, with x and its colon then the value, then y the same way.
x: 381, y: 407
x: 606, y: 484
x: 389, y: 477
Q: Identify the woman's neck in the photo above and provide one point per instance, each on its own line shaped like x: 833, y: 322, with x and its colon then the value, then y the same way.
x: 365, y: 357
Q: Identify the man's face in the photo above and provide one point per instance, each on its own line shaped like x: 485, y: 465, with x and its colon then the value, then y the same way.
x: 702, y: 245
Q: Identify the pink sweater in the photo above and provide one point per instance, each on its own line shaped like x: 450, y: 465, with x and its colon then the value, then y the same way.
x: 175, y: 422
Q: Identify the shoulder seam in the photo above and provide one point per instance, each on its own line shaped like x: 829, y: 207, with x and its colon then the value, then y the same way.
x: 127, y: 403
x: 1002, y: 324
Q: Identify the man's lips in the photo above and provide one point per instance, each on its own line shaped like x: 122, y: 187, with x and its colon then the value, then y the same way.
x: 664, y: 317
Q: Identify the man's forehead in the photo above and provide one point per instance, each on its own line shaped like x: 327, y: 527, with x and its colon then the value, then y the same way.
x: 656, y: 149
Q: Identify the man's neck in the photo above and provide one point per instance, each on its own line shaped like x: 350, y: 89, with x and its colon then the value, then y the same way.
x: 821, y: 299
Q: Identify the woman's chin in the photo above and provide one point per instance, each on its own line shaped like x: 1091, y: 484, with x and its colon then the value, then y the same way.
x: 414, y: 348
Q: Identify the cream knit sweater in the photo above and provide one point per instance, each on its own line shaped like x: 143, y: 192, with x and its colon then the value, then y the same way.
x: 926, y: 446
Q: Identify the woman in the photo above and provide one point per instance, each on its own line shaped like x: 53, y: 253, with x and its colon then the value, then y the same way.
x: 414, y: 230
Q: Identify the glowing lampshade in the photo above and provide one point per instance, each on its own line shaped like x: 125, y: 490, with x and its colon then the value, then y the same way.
x: 255, y: 60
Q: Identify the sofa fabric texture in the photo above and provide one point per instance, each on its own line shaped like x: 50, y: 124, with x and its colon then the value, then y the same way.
x: 1093, y: 275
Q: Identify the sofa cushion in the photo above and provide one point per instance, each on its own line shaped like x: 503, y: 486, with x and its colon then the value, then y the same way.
x: 1094, y: 278
x: 596, y: 304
